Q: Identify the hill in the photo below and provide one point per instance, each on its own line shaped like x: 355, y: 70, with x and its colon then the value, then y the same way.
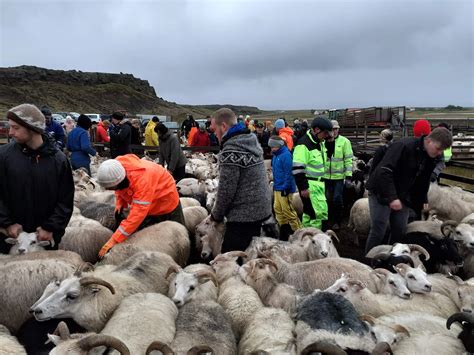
x: 76, y: 91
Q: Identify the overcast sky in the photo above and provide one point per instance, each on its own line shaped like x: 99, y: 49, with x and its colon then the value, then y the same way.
x: 272, y: 54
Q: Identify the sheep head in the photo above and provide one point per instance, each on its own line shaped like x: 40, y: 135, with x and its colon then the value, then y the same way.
x: 185, y: 284
x: 27, y: 243
x: 391, y: 284
x: 257, y: 270
x: 415, y: 278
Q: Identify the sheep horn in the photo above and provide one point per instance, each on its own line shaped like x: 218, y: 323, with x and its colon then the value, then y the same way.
x: 356, y: 282
x: 380, y: 251
x: 300, y: 234
x: 269, y: 262
x: 446, y: 227
x: 90, y: 280
x: 173, y: 269
x: 460, y: 317
x: 323, y: 347
x: 368, y: 318
x: 401, y: 268
x: 259, y: 352
x: 382, y: 348
x: 200, y: 349
x: 96, y: 340
x: 83, y: 268
x: 206, y: 273
x: 456, y: 278
x: 158, y: 345
x: 382, y: 271
x: 332, y: 234
x: 420, y: 249
x: 63, y: 331
x: 401, y: 329
x: 236, y: 253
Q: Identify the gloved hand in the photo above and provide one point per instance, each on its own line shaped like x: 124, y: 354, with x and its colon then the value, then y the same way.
x: 433, y: 177
x: 107, y: 246
x: 119, y: 215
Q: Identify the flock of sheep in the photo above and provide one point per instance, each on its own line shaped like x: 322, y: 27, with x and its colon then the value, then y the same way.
x: 169, y: 290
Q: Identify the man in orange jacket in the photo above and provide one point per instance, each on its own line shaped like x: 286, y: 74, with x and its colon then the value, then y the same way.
x: 146, y: 187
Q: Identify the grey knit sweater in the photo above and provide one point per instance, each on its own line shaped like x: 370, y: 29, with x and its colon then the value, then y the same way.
x: 170, y: 152
x: 243, y: 194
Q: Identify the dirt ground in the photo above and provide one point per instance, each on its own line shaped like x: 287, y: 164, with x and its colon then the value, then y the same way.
x: 346, y: 247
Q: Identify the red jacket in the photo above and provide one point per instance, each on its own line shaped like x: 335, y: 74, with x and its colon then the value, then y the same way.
x: 101, y: 134
x: 201, y: 139
x: 152, y: 192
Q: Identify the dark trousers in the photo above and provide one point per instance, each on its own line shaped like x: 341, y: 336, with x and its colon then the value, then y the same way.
x: 238, y: 235
x: 178, y: 173
x: 334, y: 197
x: 381, y: 216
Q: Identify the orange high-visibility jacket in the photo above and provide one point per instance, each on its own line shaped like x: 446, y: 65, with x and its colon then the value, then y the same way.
x: 192, y: 133
x: 286, y: 134
x: 152, y: 192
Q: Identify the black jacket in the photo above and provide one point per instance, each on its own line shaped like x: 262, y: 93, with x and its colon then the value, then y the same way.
x: 170, y: 152
x: 403, y: 173
x: 36, y: 188
x: 120, y: 139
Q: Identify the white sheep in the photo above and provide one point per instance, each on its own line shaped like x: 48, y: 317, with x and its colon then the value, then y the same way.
x: 359, y: 218
x: 85, y: 241
x: 189, y: 187
x: 188, y: 202
x: 193, y: 216
x: 9, y: 344
x: 448, y: 203
x: 166, y: 237
x: 384, y: 252
x: 463, y: 234
x: 415, y: 278
x: 210, y: 236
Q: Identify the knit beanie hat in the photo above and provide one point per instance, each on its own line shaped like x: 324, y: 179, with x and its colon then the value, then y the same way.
x: 386, y: 135
x: 276, y: 142
x: 28, y: 116
x: 279, y: 123
x: 160, y: 128
x: 110, y: 173
x: 421, y: 128
x: 84, y: 121
x: 335, y: 124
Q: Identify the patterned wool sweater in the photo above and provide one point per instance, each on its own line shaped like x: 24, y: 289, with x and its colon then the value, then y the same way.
x: 243, y: 194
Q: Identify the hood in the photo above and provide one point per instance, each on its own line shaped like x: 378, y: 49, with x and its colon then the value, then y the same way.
x: 244, y: 142
x: 48, y: 147
x: 150, y: 124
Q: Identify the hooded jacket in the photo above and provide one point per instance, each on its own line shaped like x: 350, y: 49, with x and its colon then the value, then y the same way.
x: 282, y: 165
x: 170, y: 152
x: 121, y: 138
x: 78, y: 143
x: 243, y: 194
x: 151, y: 192
x: 151, y: 137
x: 286, y: 133
x: 36, y: 187
x: 201, y: 139
x: 101, y: 133
x: 55, y: 130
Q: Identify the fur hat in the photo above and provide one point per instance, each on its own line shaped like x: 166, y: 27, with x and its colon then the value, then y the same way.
x: 279, y: 123
x: 421, y: 128
x: 28, y: 116
x: 84, y: 121
x: 110, y: 173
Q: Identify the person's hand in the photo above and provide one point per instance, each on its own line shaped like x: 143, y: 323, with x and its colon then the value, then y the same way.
x: 426, y: 207
x: 396, y: 205
x: 14, y: 230
x: 44, y: 235
x: 107, y: 246
x: 304, y: 193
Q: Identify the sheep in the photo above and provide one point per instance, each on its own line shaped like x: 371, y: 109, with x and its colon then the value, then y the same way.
x: 448, y: 203
x: 257, y: 273
x: 367, y: 302
x: 193, y: 216
x: 209, y: 236
x: 78, y: 220
x: 415, y: 278
x: 203, y: 323
x: 141, y: 319
x: 85, y: 241
x: 336, y: 321
x: 463, y: 234
x: 239, y: 300
x: 192, y: 283
x: 189, y: 187
x: 433, y: 229
x: 269, y: 330
x: 210, y: 200
x: 83, y: 194
x: 359, y: 218
x: 83, y: 343
x: 23, y: 281
x: 467, y: 335
x: 101, y: 212
x: 188, y: 202
x: 27, y: 243
x: 91, y: 297
x: 69, y: 257
x: 319, y: 274
x: 389, y: 253
x: 167, y: 237
x: 9, y: 344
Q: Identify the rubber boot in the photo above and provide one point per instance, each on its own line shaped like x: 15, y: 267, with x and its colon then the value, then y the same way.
x: 285, y: 232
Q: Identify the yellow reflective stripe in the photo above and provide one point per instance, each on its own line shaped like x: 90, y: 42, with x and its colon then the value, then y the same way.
x: 123, y: 231
x: 138, y: 202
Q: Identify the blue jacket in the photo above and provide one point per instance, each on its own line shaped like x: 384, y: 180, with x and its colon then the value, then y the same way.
x: 78, y: 143
x: 55, y: 130
x: 282, y: 164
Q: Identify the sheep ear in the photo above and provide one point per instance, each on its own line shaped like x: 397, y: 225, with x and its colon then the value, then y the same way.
x: 367, y: 318
x: 11, y: 241
x: 44, y: 243
x: 55, y: 339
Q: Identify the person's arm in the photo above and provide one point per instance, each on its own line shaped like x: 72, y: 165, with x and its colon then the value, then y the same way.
x: 59, y: 135
x: 64, y: 205
x: 348, y: 155
x: 300, y: 157
x: 103, y: 137
x: 120, y: 132
x: 5, y: 219
x: 384, y: 173
x: 175, y: 153
x: 85, y: 144
x: 440, y: 165
x: 287, y: 172
x: 229, y: 178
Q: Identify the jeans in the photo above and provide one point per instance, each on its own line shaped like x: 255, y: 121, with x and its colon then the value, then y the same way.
x: 238, y: 235
x: 380, y: 217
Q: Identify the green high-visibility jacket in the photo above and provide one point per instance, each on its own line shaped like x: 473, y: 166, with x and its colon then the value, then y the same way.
x: 308, y: 161
x: 339, y: 166
x: 448, y: 153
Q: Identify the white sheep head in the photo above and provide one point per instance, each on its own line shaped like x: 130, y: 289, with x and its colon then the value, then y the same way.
x: 462, y: 233
x: 391, y: 284
x: 27, y: 243
x: 415, y: 278
x: 390, y: 334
